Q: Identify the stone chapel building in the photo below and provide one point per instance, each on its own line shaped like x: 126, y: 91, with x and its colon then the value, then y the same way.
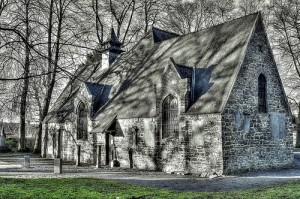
x: 206, y: 102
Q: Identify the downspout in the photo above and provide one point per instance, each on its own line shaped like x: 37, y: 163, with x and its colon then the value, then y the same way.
x: 193, y: 85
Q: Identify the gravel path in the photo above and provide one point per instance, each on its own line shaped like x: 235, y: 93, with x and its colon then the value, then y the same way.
x: 11, y: 166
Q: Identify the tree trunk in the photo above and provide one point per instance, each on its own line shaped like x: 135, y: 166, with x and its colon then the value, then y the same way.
x: 298, y: 129
x: 22, y: 125
x: 45, y: 109
x: 52, y: 76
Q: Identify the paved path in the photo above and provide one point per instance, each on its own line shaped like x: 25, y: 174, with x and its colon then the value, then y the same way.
x: 11, y: 166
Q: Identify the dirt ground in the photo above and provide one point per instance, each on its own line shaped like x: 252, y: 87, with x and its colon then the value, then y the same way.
x: 11, y: 167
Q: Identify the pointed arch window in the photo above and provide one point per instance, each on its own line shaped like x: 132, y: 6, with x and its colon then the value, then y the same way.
x: 262, y: 94
x: 82, y: 121
x: 169, y: 116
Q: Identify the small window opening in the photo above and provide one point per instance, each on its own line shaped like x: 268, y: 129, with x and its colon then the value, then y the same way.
x: 262, y: 97
x: 260, y: 47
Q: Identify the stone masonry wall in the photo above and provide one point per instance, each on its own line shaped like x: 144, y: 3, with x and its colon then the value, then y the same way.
x: 254, y: 140
x: 69, y: 142
x: 68, y: 136
x: 196, y: 149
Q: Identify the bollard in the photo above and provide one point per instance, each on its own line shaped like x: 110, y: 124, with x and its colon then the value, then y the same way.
x: 78, y: 156
x: 26, y: 161
x: 98, y: 164
x: 57, y: 165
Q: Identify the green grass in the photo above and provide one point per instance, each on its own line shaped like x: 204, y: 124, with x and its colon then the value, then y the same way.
x: 98, y: 188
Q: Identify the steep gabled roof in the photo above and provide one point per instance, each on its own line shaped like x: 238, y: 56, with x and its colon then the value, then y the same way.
x: 215, y: 53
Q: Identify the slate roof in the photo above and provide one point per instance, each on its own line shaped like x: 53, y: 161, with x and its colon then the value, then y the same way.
x: 215, y: 54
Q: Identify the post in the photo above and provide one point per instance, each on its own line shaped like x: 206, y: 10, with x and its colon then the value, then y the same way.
x: 26, y: 161
x: 58, y: 155
x: 98, y: 164
x: 78, y: 156
x: 45, y: 140
x: 57, y: 165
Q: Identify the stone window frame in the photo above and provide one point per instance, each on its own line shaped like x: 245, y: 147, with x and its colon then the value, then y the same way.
x: 262, y: 102
x: 187, y: 100
x: 161, y: 136
x: 82, y: 135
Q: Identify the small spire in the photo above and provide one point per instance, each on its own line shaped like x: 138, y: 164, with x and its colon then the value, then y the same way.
x: 112, y: 41
x: 111, y: 49
x: 113, y: 36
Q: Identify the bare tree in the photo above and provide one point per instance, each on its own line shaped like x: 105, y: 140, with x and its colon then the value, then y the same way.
x: 98, y: 21
x: 150, y: 10
x: 287, y: 40
x: 23, y: 105
x: 121, y: 11
x: 250, y: 6
x: 188, y: 16
x: 41, y: 41
x: 17, y: 41
x: 63, y: 40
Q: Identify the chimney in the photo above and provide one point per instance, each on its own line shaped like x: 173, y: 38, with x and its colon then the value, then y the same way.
x: 111, y: 50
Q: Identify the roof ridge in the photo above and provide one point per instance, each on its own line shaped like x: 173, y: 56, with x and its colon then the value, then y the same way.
x: 237, y: 70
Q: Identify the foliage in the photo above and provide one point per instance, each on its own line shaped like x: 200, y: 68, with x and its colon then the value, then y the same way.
x: 99, y: 188
x: 11, y: 143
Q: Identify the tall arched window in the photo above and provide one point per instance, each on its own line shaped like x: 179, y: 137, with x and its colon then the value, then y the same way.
x: 262, y: 94
x: 169, y: 116
x: 81, y: 121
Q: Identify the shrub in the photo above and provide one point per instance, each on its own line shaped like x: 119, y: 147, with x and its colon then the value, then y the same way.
x: 12, y: 143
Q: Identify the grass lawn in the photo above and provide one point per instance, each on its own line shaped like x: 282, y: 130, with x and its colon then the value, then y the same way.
x: 98, y: 188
